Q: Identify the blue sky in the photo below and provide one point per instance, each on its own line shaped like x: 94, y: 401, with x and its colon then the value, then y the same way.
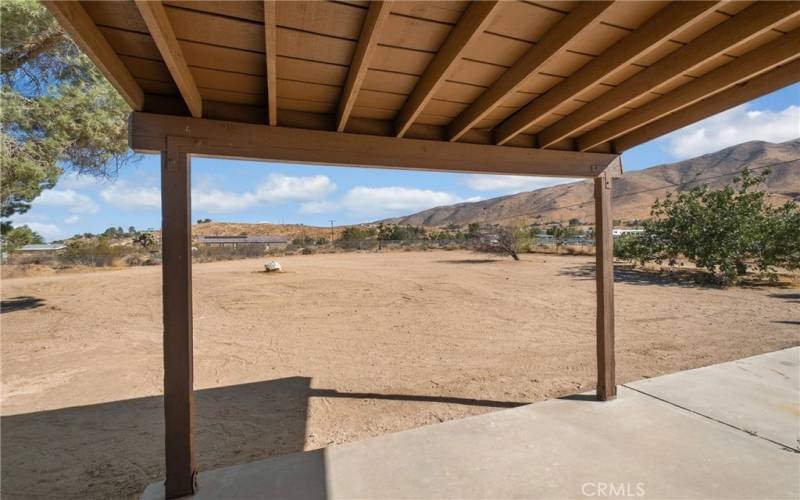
x: 241, y: 191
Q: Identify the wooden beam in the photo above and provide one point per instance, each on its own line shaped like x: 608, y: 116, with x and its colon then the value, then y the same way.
x: 241, y: 140
x: 158, y: 24
x: 739, y: 94
x: 176, y: 269
x: 470, y: 26
x: 553, y: 43
x: 271, y: 50
x: 604, y: 258
x: 80, y: 27
x: 367, y: 43
x: 744, y: 26
x: 664, y: 24
x: 762, y: 59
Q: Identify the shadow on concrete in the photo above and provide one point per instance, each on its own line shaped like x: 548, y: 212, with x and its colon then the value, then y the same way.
x: 115, y: 449
x: 332, y: 393
x: 791, y: 297
x: 580, y: 397
x: 628, y: 274
x: 20, y: 303
x: 786, y: 322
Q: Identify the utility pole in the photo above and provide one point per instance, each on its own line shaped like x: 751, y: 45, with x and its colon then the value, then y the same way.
x: 332, y: 221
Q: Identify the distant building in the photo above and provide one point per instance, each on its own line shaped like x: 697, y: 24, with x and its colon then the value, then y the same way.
x: 234, y: 241
x: 616, y: 233
x: 42, y: 248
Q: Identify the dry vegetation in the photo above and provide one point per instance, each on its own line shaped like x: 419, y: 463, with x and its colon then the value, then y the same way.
x: 339, y: 347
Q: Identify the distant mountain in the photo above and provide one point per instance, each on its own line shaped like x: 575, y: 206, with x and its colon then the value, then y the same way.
x: 634, y: 193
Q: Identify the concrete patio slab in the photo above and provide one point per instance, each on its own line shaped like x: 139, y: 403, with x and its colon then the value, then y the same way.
x: 757, y: 394
x: 636, y: 446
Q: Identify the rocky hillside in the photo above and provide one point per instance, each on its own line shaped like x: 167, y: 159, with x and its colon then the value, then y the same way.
x: 634, y: 193
x: 291, y: 231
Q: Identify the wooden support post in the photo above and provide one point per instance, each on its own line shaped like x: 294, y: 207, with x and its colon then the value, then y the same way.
x: 604, y: 246
x: 176, y: 249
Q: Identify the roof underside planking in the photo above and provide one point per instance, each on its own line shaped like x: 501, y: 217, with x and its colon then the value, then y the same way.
x: 575, y: 76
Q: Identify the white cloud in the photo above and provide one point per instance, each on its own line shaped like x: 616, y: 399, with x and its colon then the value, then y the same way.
x: 71, y: 180
x: 72, y: 219
x: 317, y: 207
x: 281, y: 188
x: 66, y: 198
x: 510, y: 184
x: 48, y: 231
x: 216, y: 201
x: 731, y: 127
x: 373, y: 201
x: 277, y: 188
x: 126, y: 197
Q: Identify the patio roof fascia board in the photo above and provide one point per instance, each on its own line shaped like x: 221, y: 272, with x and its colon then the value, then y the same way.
x: 148, y: 133
x: 660, y: 27
x: 750, y: 65
x: 554, y: 42
x: 377, y: 14
x: 739, y: 94
x: 85, y: 33
x: 744, y: 26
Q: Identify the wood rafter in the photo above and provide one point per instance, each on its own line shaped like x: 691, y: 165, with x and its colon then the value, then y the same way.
x: 659, y: 28
x: 470, y: 26
x: 80, y: 27
x: 261, y: 142
x: 271, y: 54
x: 367, y: 43
x: 762, y: 59
x: 550, y: 45
x: 160, y: 28
x: 734, y: 96
x: 737, y: 30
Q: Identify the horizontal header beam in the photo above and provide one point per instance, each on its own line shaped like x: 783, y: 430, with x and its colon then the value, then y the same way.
x: 148, y: 133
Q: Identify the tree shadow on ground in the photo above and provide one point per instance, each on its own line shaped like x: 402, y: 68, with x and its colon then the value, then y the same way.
x: 628, y: 274
x: 468, y: 261
x: 115, y: 449
x: 790, y: 297
x: 20, y: 303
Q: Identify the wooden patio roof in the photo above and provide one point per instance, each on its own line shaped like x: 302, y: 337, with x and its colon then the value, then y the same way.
x: 574, y: 76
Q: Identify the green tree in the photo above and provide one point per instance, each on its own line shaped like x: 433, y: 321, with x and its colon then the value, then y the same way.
x: 561, y: 234
x: 57, y: 110
x: 145, y: 240
x: 724, y: 231
x: 384, y: 233
x: 473, y: 231
x: 19, y: 237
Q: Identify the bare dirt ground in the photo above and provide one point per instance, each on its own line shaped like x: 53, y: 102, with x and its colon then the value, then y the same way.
x: 337, y: 348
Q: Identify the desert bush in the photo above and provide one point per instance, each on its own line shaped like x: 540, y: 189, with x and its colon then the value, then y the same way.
x: 211, y: 253
x: 507, y: 240
x: 722, y: 231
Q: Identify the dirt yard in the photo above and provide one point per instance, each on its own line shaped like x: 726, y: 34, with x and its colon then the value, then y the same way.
x: 337, y: 348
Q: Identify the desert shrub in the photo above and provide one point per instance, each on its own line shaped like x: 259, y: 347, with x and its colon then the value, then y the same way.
x: 210, y: 253
x: 507, y: 240
x: 722, y: 231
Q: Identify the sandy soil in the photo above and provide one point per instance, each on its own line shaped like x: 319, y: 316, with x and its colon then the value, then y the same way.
x: 337, y: 348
